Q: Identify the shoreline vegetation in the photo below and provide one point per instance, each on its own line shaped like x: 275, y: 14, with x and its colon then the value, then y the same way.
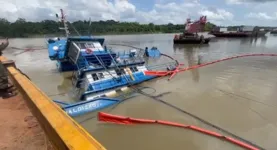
x: 91, y: 34
x: 26, y: 29
x: 22, y: 28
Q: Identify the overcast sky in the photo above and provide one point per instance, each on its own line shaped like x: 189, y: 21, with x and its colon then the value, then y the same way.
x: 221, y: 12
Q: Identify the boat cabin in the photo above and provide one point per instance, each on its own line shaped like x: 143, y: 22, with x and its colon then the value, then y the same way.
x: 99, y: 81
x: 88, y: 51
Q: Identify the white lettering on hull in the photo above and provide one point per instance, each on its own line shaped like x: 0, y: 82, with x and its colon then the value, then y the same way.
x: 83, y: 108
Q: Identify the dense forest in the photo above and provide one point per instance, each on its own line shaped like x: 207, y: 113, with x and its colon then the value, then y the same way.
x: 23, y: 28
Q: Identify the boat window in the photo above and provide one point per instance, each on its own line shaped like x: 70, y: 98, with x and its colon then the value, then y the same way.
x: 136, y: 69
x: 101, y: 75
x: 84, y: 45
x: 89, y: 45
x: 132, y: 69
x: 97, y: 45
x: 119, y: 72
x: 122, y: 71
x: 81, y: 45
x: 95, y: 77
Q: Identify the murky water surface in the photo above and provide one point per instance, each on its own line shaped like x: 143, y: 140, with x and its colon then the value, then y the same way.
x: 238, y: 95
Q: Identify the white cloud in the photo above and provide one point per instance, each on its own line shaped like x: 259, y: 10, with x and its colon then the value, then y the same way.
x: 262, y: 16
x: 247, y: 1
x: 179, y: 12
x: 234, y: 1
x: 169, y: 12
x: 163, y: 12
x: 218, y: 14
x: 35, y: 10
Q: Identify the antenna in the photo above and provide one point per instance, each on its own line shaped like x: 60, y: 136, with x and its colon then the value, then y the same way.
x: 63, y: 20
x: 89, y: 25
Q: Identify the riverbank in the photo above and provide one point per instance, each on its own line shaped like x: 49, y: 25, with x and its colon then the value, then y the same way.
x: 19, y: 128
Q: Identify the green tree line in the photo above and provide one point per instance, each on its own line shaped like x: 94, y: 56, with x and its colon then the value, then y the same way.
x: 23, y: 28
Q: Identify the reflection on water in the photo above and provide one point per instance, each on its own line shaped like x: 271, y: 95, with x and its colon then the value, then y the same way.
x: 238, y: 95
x: 260, y: 41
x: 192, y: 56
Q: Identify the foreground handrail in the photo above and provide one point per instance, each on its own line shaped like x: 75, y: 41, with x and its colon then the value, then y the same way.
x: 62, y: 131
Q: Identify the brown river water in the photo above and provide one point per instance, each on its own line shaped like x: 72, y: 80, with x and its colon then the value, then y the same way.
x: 237, y: 95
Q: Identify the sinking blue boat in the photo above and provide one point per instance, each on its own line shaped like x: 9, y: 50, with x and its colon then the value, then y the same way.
x: 99, y: 72
x: 84, y: 107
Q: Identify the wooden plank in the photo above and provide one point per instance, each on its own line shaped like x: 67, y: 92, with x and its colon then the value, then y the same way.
x: 63, y: 132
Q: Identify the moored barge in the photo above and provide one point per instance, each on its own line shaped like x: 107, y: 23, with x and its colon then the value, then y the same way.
x: 242, y: 32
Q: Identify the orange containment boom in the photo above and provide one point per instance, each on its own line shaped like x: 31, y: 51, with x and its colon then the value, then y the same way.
x: 164, y: 73
x: 175, y: 71
x: 105, y: 117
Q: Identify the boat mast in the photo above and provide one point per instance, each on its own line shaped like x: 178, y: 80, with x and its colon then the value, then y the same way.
x: 63, y: 20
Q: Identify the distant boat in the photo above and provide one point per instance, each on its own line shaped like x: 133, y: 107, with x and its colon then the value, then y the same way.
x: 4, y: 44
x: 273, y: 31
x: 190, y: 36
x: 245, y: 31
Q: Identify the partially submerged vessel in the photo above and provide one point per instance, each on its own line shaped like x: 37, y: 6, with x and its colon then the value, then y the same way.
x: 99, y: 71
x: 190, y: 35
x: 243, y: 31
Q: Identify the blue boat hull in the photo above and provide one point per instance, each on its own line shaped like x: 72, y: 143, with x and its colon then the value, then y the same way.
x: 84, y: 107
x: 66, y: 66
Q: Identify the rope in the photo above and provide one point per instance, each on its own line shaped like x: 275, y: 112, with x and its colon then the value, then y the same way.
x: 185, y: 112
x: 75, y: 29
x: 194, y: 116
x: 206, y: 64
x: 26, y: 50
x: 126, y: 46
x: 224, y: 59
x: 198, y: 118
x: 156, y: 98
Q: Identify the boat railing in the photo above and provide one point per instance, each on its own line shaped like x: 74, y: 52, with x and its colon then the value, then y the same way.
x: 131, y: 56
x: 83, y: 62
x: 123, y: 73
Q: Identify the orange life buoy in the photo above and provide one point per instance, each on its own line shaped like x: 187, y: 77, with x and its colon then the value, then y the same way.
x: 88, y: 51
